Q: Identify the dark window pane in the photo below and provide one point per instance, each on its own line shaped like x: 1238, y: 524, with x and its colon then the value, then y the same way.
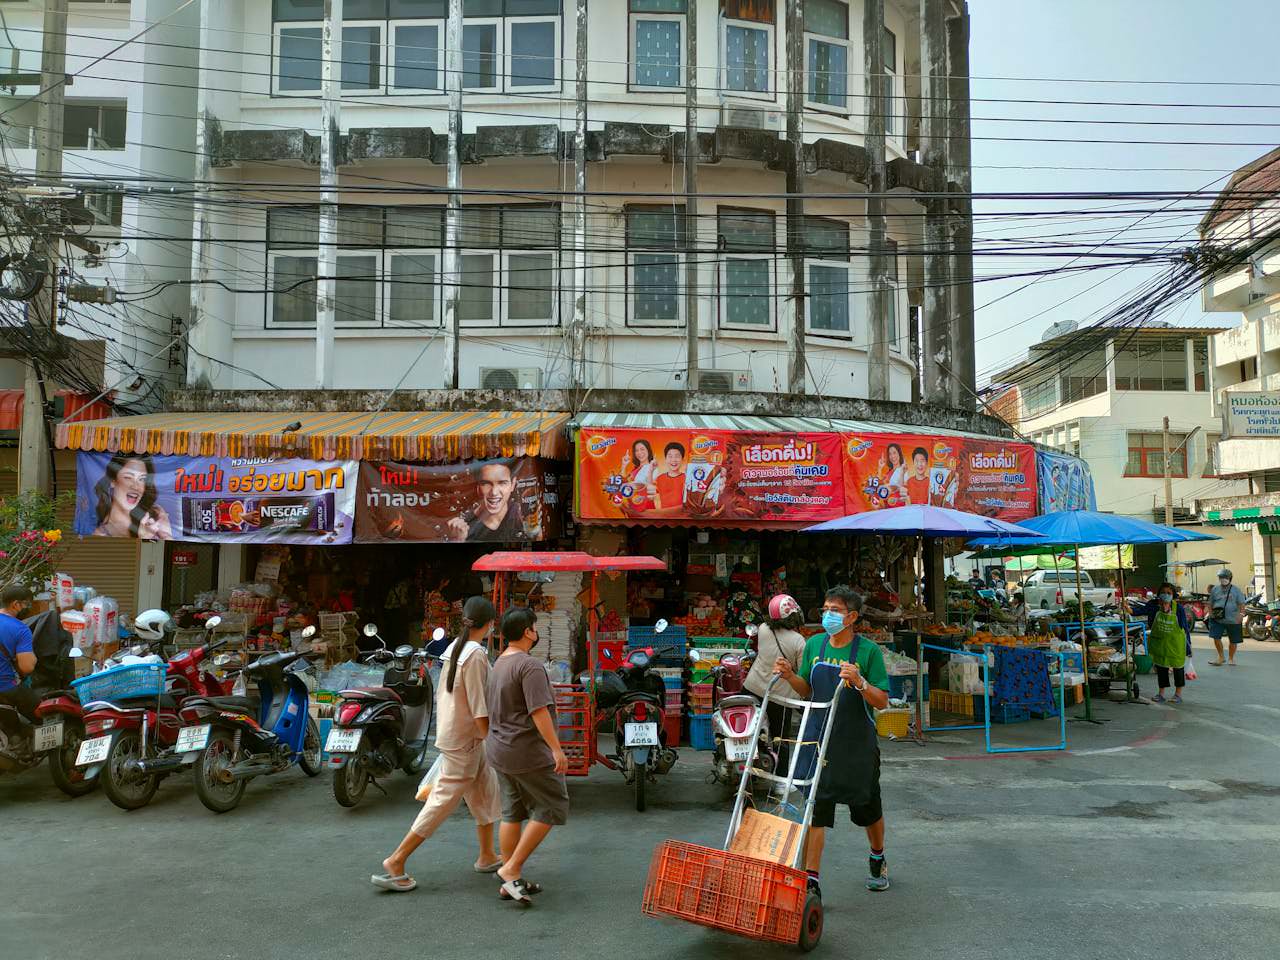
x: 747, y: 59
x: 420, y: 9
x: 417, y: 58
x: 533, y: 54
x: 412, y: 296
x: 77, y: 120
x: 828, y: 298
x: 479, y: 227
x: 415, y: 227
x: 825, y: 238
x: 532, y: 8
x: 889, y: 50
x: 654, y: 227
x: 747, y: 230
x: 747, y: 291
x: 357, y: 291
x: 828, y: 73
x: 360, y: 226
x: 361, y: 58
x: 658, y: 53
x: 299, y: 64
x: 293, y: 227
x: 476, y: 296
x: 827, y: 17
x: 111, y: 130
x: 655, y: 288
x: 480, y: 56
x: 293, y: 303
x: 351, y: 9
x: 482, y: 8
x: 531, y: 286
x: 530, y: 227
x: 659, y: 6
x: 298, y: 9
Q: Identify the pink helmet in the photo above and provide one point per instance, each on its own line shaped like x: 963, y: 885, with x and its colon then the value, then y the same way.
x: 782, y: 606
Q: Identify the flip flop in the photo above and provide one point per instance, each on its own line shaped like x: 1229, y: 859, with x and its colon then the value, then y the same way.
x: 515, y: 890
x: 1216, y: 663
x: 531, y: 888
x: 401, y: 884
x: 491, y: 868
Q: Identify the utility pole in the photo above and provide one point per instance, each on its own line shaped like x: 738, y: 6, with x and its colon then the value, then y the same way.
x: 1168, y: 475
x: 33, y: 458
x: 797, y: 373
x: 578, y: 330
x: 327, y: 261
x: 691, y: 198
x: 878, y: 260
x: 451, y: 275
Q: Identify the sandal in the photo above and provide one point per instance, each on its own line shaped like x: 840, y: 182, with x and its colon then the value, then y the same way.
x: 401, y: 884
x: 491, y: 868
x: 531, y: 888
x: 1216, y: 663
x: 515, y: 890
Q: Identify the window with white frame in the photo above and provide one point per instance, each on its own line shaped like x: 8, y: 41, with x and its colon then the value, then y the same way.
x: 747, y: 242
x: 889, y: 49
x: 656, y: 29
x: 826, y: 249
x: 826, y: 38
x: 747, y: 42
x: 397, y: 46
x: 509, y: 266
x: 655, y: 238
x: 387, y: 273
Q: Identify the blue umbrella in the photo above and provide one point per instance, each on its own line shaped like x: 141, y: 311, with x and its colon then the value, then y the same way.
x: 1089, y: 528
x: 927, y: 521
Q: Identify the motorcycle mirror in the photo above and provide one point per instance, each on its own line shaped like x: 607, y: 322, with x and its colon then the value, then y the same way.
x: 308, y: 632
x: 437, y: 634
x: 695, y: 654
x: 752, y: 630
x: 404, y: 650
x: 370, y: 629
x: 212, y: 623
x: 75, y: 653
x: 661, y: 626
x: 222, y: 659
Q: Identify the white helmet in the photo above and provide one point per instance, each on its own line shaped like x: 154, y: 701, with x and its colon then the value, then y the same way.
x: 152, y: 624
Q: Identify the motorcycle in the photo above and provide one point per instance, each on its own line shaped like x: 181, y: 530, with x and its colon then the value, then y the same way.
x: 378, y: 730
x: 732, y: 720
x: 1257, y: 616
x: 633, y: 696
x: 130, y: 740
x: 57, y: 733
x: 227, y: 747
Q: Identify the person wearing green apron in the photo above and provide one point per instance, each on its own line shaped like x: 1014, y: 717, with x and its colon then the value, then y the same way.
x: 1168, y: 636
x: 852, y: 772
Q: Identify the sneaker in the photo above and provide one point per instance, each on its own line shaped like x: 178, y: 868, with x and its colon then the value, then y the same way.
x: 878, y: 876
x: 814, y: 887
x: 1175, y: 699
x: 1158, y: 698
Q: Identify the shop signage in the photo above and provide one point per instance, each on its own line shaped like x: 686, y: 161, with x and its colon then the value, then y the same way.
x: 709, y: 477
x: 1065, y: 483
x: 185, y: 558
x: 992, y: 477
x: 1252, y: 413
x: 215, y: 499
x: 498, y: 501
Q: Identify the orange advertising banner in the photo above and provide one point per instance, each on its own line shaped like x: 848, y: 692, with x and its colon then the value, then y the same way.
x: 988, y: 476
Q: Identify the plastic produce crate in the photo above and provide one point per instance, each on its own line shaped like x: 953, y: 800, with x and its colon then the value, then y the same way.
x: 1008, y: 713
x: 649, y: 637
x: 119, y: 683
x: 894, y: 723
x: 571, y: 720
x: 725, y: 891
x: 671, y: 722
x: 701, y: 733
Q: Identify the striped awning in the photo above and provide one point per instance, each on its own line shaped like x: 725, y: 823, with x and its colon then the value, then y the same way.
x: 1245, y: 515
x: 424, y: 436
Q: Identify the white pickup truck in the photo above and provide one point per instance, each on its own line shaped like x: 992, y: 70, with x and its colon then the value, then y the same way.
x: 1052, y: 589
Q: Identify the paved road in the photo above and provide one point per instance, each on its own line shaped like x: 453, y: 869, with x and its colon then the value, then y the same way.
x: 1156, y: 836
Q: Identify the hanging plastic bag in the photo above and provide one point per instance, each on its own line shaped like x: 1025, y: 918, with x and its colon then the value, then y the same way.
x: 1190, y: 670
x: 429, y: 781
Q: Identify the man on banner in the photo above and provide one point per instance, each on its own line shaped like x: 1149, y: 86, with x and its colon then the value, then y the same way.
x: 493, y: 517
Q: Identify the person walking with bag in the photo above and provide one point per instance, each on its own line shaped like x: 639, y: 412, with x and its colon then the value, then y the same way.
x: 462, y: 771
x: 1226, y: 616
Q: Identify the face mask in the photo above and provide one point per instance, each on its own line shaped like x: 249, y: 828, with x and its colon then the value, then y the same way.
x: 536, y: 640
x: 1224, y: 581
x: 832, y: 622
x: 1167, y: 597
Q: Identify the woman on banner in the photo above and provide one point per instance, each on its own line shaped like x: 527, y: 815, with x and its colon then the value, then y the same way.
x: 126, y: 500
x: 461, y: 772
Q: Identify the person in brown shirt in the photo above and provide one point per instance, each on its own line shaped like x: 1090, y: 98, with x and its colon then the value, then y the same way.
x: 525, y: 750
x: 461, y: 772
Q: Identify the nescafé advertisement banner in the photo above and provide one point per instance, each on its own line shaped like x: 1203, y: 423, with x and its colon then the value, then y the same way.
x: 988, y: 476
x: 215, y: 499
x: 502, y: 501
x: 712, y: 477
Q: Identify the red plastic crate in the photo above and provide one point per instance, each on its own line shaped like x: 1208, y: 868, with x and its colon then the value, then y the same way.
x: 671, y: 723
x: 726, y: 891
x: 572, y: 728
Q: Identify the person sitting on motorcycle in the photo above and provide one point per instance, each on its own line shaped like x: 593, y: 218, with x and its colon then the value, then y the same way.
x: 778, y: 638
x: 17, y: 652
x: 462, y: 723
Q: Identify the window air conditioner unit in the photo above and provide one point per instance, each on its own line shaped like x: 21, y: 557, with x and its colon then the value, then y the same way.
x: 510, y: 378
x: 723, y: 381
x: 749, y: 117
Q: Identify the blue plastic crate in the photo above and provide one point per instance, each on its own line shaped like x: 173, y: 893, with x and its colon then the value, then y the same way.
x: 1008, y: 713
x: 673, y: 683
x: 649, y: 637
x: 701, y: 733
x: 119, y: 683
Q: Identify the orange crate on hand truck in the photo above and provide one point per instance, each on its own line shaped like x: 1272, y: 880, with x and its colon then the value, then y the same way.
x: 764, y: 899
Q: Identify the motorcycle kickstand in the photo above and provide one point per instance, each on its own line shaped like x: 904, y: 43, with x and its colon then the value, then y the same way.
x: 379, y: 786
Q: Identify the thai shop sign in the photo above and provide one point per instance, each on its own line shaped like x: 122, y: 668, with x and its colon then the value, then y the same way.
x: 1065, y: 483
x: 988, y: 476
x: 1252, y: 413
x: 505, y: 501
x: 709, y: 477
x: 215, y: 499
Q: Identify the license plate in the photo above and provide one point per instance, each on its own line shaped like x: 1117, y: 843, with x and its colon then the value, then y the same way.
x: 48, y: 736
x: 640, y: 735
x: 93, y: 751
x: 737, y: 750
x: 342, y: 741
x: 192, y: 738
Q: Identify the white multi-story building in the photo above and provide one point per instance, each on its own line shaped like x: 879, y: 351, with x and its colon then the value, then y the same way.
x: 1103, y: 396
x: 1245, y: 360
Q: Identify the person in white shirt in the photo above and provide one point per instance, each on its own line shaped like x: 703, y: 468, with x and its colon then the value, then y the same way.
x: 779, y: 637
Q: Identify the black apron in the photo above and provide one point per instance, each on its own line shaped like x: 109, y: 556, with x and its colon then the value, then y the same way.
x: 853, y: 753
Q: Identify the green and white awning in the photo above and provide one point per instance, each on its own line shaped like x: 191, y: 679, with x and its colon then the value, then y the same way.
x: 1266, y: 519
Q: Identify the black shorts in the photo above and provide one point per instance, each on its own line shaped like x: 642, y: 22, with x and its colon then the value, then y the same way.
x: 863, y: 815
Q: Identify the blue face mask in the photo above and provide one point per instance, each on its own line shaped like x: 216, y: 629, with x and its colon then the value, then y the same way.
x: 832, y: 622
x: 1167, y: 597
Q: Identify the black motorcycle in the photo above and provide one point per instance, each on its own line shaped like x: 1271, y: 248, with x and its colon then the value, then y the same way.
x: 378, y: 730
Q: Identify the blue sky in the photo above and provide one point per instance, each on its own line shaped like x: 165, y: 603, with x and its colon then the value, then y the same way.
x: 1231, y: 42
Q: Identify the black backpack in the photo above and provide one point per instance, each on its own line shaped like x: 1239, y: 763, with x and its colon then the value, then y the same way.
x: 52, y: 646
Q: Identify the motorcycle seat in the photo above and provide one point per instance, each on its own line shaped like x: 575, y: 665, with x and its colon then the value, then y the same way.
x: 739, y: 700
x: 232, y: 704
x: 369, y: 693
x: 143, y: 702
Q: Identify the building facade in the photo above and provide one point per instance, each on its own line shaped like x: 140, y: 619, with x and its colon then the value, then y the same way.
x: 1245, y: 360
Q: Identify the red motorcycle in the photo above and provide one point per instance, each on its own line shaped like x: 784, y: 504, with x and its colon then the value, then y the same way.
x: 61, y: 732
x: 130, y: 738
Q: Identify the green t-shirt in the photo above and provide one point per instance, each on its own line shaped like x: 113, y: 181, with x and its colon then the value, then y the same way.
x: 870, y: 658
